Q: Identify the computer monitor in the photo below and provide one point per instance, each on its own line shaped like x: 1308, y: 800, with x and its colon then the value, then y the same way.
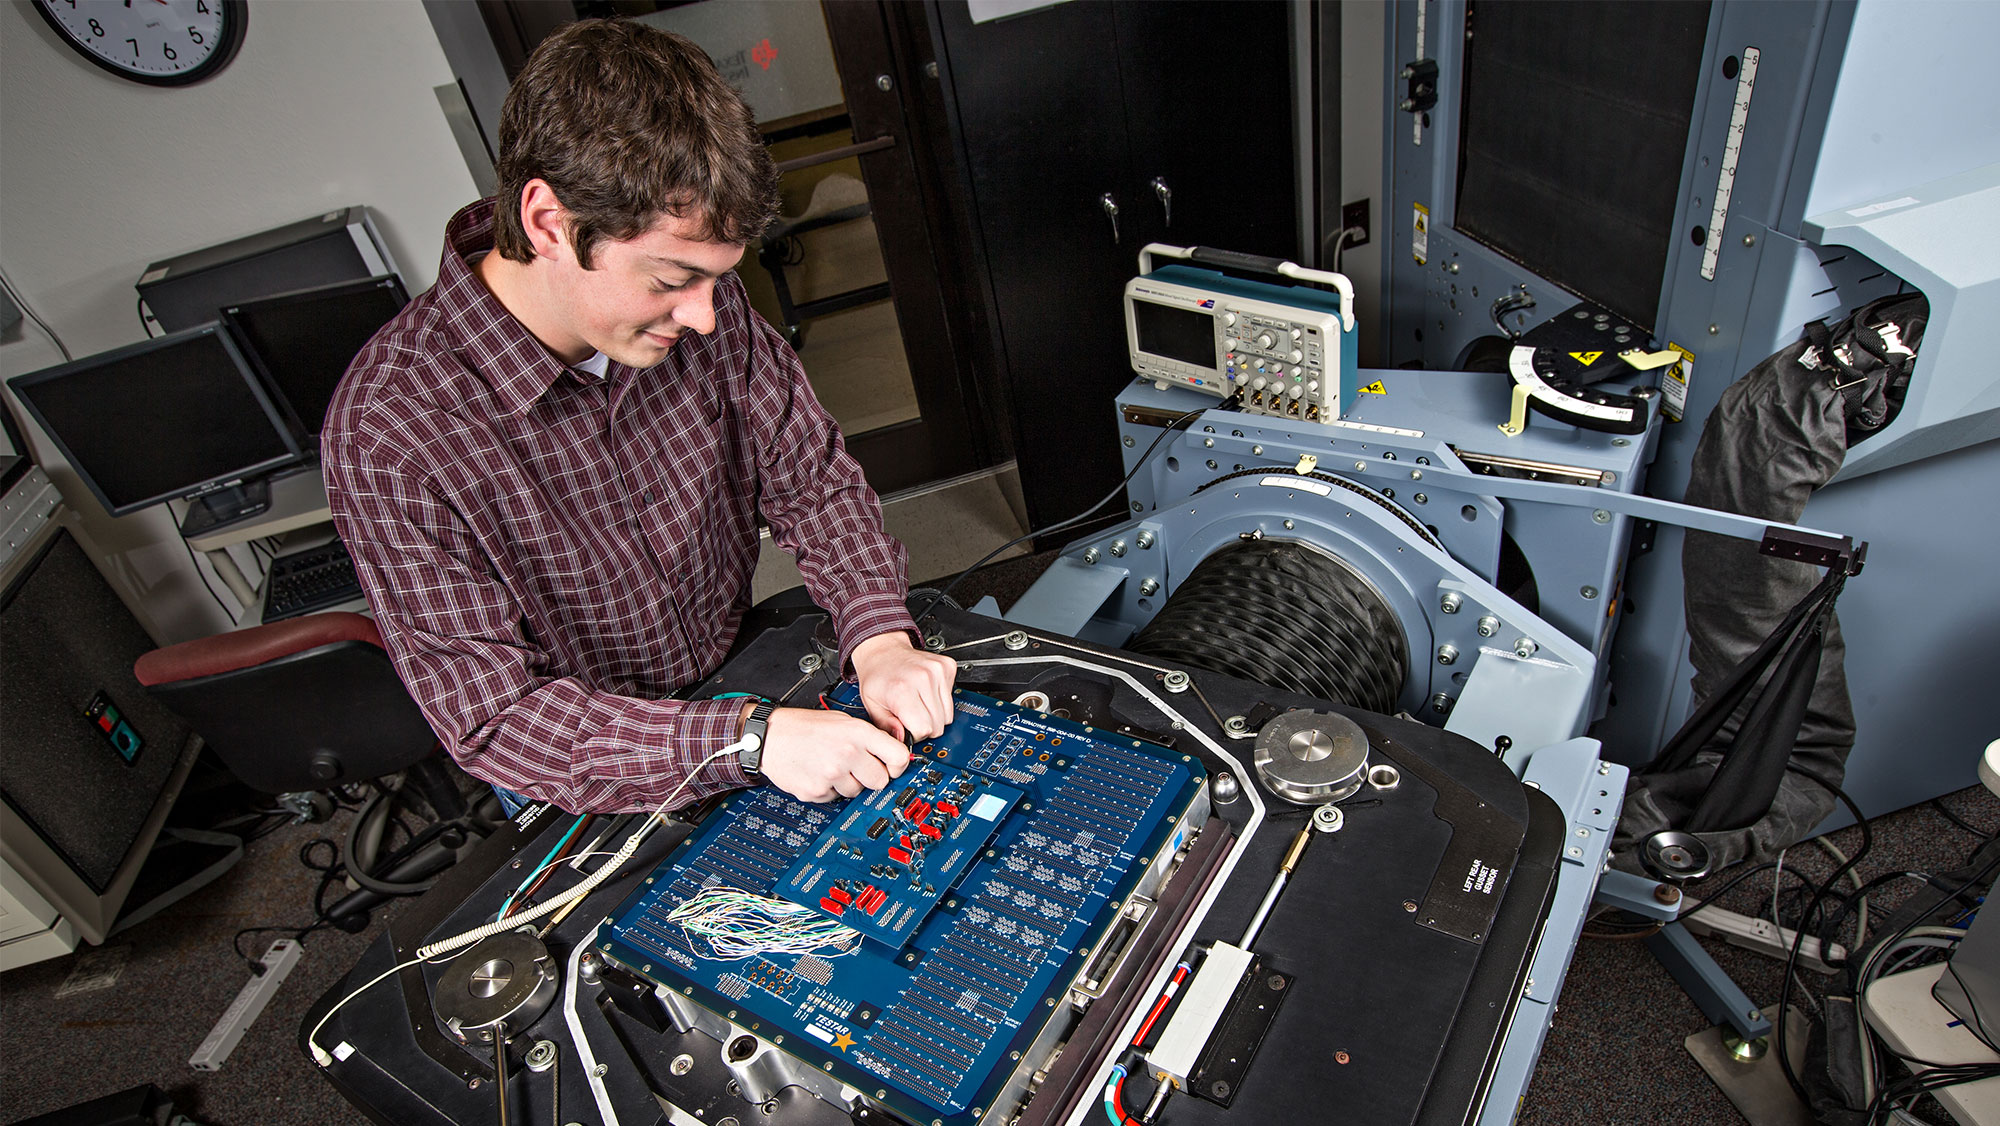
x: 300, y: 343
x: 177, y: 416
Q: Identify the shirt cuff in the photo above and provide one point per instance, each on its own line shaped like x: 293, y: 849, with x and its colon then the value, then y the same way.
x: 707, y: 726
x: 870, y: 617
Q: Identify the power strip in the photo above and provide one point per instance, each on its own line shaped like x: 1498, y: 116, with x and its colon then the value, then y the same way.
x: 1761, y: 936
x: 248, y: 1005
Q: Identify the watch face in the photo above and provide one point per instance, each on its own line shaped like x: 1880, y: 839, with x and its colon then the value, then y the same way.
x: 158, y: 42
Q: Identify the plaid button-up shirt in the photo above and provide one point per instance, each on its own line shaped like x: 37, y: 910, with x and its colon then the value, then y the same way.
x: 549, y: 553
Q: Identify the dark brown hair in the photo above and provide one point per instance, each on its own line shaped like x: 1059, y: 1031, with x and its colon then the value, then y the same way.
x: 627, y: 123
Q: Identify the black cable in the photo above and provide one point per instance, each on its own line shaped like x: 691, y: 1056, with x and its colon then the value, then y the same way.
x: 1074, y: 520
x: 1938, y: 804
x: 1805, y: 920
x: 28, y: 311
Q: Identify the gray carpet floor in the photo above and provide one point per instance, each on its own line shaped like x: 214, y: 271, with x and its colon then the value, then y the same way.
x: 1614, y: 1054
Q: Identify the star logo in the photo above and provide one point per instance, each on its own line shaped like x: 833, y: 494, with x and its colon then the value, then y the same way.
x: 764, y: 53
x: 843, y: 1041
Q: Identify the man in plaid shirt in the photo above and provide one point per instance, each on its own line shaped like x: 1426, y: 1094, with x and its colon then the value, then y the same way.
x: 549, y: 468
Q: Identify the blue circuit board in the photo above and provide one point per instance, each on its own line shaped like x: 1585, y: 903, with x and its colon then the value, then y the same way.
x: 927, y: 1012
x: 893, y: 853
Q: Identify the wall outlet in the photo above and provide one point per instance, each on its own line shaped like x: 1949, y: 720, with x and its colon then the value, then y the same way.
x: 1355, y: 215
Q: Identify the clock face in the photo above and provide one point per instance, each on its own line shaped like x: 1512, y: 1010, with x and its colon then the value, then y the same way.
x: 158, y: 42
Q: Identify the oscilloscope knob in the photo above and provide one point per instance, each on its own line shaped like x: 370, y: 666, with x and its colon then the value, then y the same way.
x: 1229, y: 319
x: 1297, y: 356
x: 1265, y: 340
x: 1257, y: 384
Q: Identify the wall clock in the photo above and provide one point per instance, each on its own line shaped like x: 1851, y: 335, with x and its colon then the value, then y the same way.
x: 157, y: 42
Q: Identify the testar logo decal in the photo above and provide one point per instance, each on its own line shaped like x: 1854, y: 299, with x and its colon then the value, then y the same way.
x: 763, y: 53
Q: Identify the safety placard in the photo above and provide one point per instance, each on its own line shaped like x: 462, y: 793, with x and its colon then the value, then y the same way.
x: 1420, y: 235
x: 1674, y: 383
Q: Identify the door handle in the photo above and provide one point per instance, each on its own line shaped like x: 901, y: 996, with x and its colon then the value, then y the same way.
x: 1111, y: 212
x: 1166, y: 197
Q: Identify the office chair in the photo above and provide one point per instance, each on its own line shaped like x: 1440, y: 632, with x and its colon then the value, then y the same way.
x: 312, y: 703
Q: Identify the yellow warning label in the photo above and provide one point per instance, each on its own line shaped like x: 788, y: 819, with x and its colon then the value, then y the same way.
x: 1586, y: 358
x: 1374, y: 388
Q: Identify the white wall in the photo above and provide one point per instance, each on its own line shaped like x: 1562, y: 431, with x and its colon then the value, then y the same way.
x: 329, y: 103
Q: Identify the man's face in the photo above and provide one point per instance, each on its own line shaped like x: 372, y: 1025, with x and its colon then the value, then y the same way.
x: 640, y: 294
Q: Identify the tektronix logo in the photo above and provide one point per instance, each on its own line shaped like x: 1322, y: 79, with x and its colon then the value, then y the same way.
x: 1208, y: 304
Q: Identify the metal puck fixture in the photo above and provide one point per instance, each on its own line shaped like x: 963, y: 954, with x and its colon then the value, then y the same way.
x: 1312, y: 757
x: 504, y: 982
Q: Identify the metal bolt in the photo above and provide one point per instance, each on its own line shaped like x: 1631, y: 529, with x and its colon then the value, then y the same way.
x: 1388, y: 455
x: 1289, y: 525
x: 1090, y: 555
x: 1328, y: 819
x: 1666, y: 893
x: 1129, y: 442
x: 1257, y: 450
x: 1441, y: 703
x: 541, y: 1057
x: 1420, y: 498
x: 682, y: 1064
x: 1150, y: 586
x: 884, y: 83
x: 1450, y: 602
x: 1144, y: 539
x: 1488, y: 626
x: 599, y: 1070
x: 1608, y: 477
x: 1447, y: 654
x: 1410, y: 906
x: 1361, y: 465
x: 1175, y: 681
x: 931, y: 69
x: 1118, y: 547
x: 934, y: 643
x: 1715, y: 330
x: 1421, y: 460
x: 1137, y: 507
x: 1453, y: 267
x: 589, y: 965
x: 1235, y: 725
x: 1225, y: 787
x: 1416, y: 474
x: 1211, y: 463
x: 1524, y: 647
x: 1749, y: 240
x: 1589, y: 592
x: 1341, y: 1057
x: 1621, y: 442
x: 1208, y: 442
x: 1604, y: 768
x: 1601, y: 516
x: 811, y: 663
x: 1388, y: 492
x: 1016, y: 639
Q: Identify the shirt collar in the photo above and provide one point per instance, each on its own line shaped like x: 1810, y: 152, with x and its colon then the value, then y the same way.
x: 497, y: 346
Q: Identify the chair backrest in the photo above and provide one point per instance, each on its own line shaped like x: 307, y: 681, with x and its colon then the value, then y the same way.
x: 295, y: 705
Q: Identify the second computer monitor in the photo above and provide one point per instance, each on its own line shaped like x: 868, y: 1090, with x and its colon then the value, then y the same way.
x: 302, y: 342
x: 175, y: 416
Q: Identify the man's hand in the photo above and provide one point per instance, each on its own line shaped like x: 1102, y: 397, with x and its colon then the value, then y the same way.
x: 815, y: 755
x: 906, y: 690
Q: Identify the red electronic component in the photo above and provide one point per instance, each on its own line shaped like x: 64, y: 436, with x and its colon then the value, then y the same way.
x: 872, y: 899
x: 839, y: 895
x: 904, y: 840
x: 948, y: 809
x: 830, y: 907
x: 930, y: 831
x: 918, y: 811
x: 900, y: 856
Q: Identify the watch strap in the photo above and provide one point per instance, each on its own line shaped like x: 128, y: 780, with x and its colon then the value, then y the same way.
x: 757, y: 723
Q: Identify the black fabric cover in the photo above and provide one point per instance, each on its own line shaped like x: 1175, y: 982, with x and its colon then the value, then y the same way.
x: 1777, y: 434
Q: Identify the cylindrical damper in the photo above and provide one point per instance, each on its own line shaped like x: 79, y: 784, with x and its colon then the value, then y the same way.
x: 1312, y: 757
x: 506, y: 981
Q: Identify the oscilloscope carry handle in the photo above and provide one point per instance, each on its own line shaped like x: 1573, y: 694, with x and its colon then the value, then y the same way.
x: 1257, y: 263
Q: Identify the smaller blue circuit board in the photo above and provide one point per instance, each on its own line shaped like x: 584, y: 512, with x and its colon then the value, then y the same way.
x: 927, y: 1015
x: 894, y: 852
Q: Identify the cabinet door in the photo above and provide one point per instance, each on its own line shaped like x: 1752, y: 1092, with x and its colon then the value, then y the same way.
x: 1208, y: 106
x: 1055, y: 110
x: 1041, y: 131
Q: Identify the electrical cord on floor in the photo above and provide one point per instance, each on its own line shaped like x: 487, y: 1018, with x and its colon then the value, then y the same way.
x: 1945, y: 812
x: 1805, y: 920
x: 1177, y: 423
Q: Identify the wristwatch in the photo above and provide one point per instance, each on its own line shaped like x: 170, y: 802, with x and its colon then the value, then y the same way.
x: 756, y: 728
